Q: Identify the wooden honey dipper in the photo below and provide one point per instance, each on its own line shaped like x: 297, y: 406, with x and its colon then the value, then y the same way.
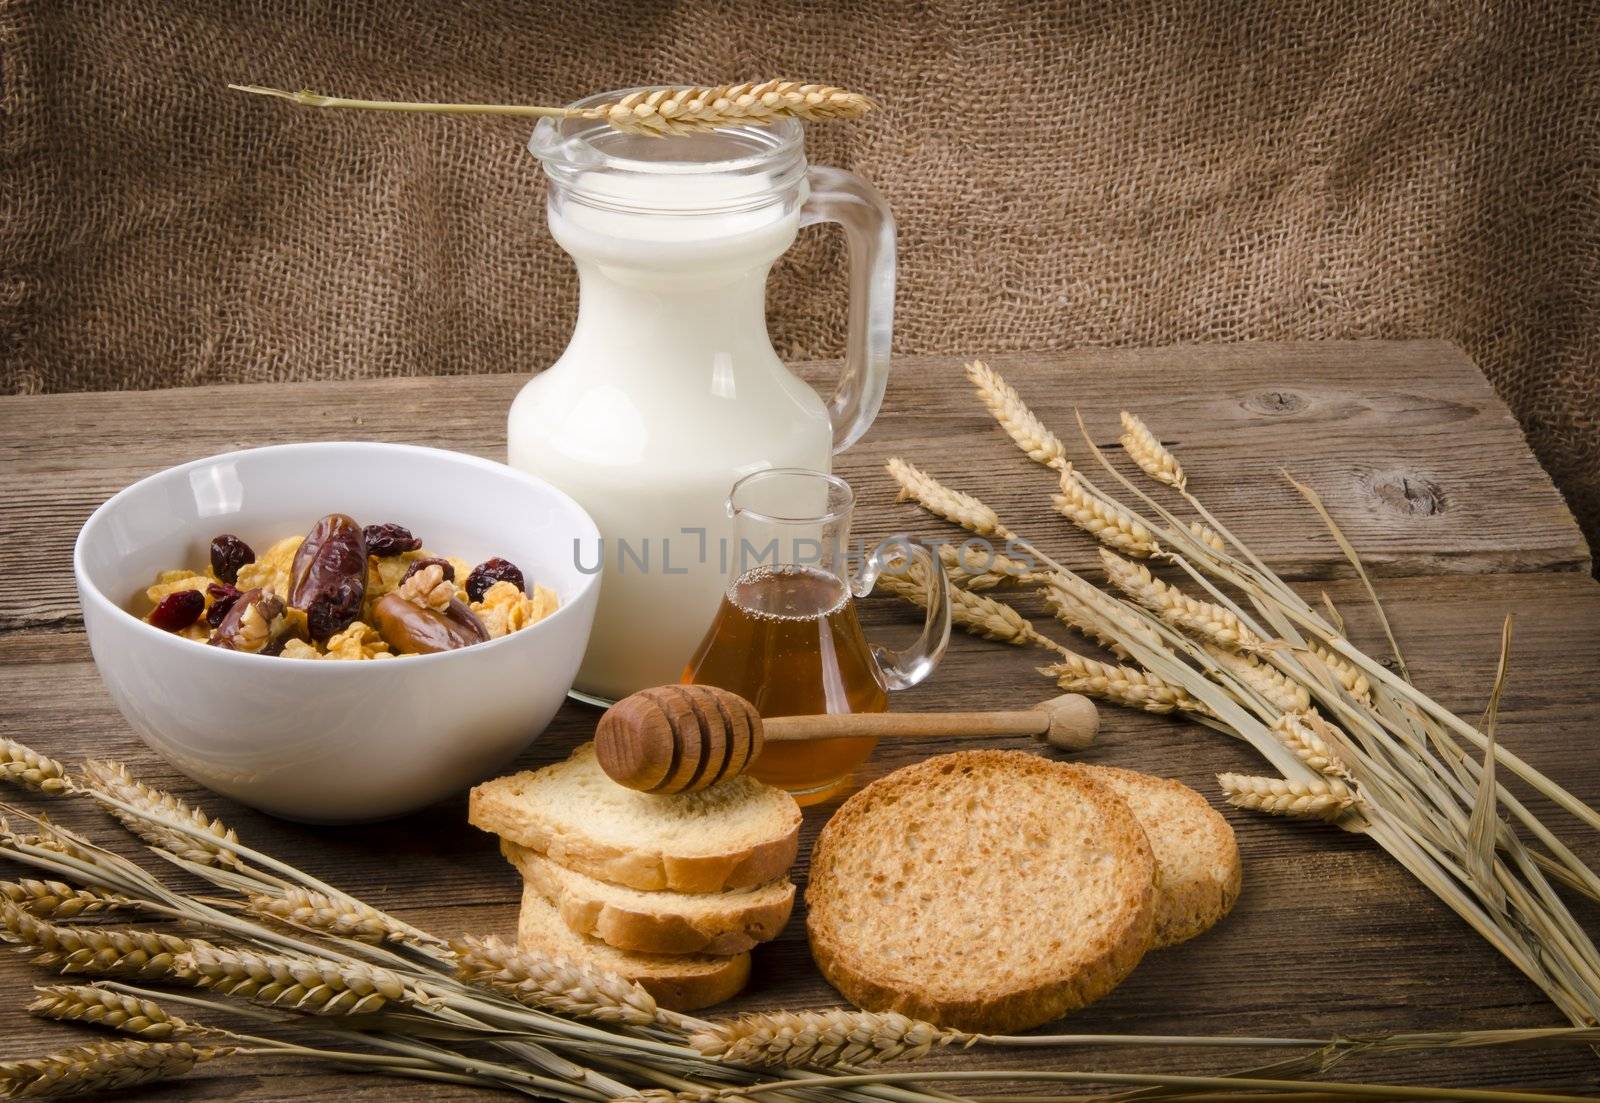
x: 676, y: 739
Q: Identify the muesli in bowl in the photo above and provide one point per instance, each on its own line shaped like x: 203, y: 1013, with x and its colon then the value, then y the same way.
x: 344, y: 591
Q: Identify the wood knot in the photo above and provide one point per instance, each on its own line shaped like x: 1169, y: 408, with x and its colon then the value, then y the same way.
x: 1276, y: 402
x: 1407, y: 493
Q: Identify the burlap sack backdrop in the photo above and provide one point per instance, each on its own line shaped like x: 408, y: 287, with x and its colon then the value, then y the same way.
x: 1086, y: 173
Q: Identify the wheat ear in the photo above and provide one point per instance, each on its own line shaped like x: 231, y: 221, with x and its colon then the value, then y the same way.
x: 941, y: 501
x: 820, y: 1038
x: 305, y: 984
x: 1201, y: 619
x: 1153, y: 457
x: 1076, y: 614
x: 977, y: 614
x: 84, y: 1003
x: 25, y: 766
x: 1107, y: 522
x: 1207, y: 536
x: 339, y: 916
x: 1326, y: 799
x: 112, y: 779
x: 100, y: 951
x: 960, y: 567
x: 1019, y: 422
x: 1304, y: 732
x: 552, y: 982
x: 1271, y: 684
x: 1347, y: 673
x: 101, y: 1067
x: 57, y: 900
x: 1121, y: 685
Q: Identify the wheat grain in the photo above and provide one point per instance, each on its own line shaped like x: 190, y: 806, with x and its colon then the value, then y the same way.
x: 84, y: 1003
x: 112, y: 779
x: 976, y: 614
x: 1153, y: 457
x: 1019, y: 422
x: 1271, y: 684
x: 1326, y: 799
x: 791, y: 1039
x: 1306, y: 734
x: 1105, y: 521
x: 57, y: 900
x: 25, y: 766
x: 302, y: 983
x: 962, y: 568
x: 941, y: 501
x: 100, y: 951
x: 102, y: 1067
x: 693, y: 110
x: 1201, y: 619
x: 340, y: 916
x: 1207, y: 536
x: 552, y: 982
x: 1121, y: 685
x: 1345, y: 672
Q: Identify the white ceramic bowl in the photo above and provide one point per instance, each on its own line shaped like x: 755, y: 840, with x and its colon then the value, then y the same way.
x: 334, y: 742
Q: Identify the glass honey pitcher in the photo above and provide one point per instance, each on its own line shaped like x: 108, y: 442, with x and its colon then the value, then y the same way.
x: 786, y: 636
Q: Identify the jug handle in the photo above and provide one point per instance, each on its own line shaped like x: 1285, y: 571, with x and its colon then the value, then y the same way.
x: 861, y: 212
x: 904, y: 669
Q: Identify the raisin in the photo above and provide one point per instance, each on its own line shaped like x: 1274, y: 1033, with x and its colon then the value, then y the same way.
x: 442, y: 564
x: 387, y: 540
x: 222, y: 598
x: 328, y: 577
x: 178, y: 610
x: 489, y: 572
x: 228, y: 554
x: 333, y: 610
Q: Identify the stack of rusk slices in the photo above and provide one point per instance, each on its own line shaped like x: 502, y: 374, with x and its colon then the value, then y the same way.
x: 669, y: 891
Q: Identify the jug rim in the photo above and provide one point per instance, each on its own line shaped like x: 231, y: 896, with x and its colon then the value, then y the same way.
x: 839, y: 509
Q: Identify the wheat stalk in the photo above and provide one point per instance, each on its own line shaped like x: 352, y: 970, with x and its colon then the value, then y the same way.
x: 1121, y: 685
x: 1021, y: 425
x: 1152, y: 457
x: 1327, y: 799
x: 57, y: 900
x: 24, y: 766
x: 1273, y: 685
x: 1202, y: 619
x: 340, y: 916
x: 977, y: 614
x: 311, y: 985
x: 85, y: 1003
x: 791, y: 1039
x: 101, y: 951
x: 552, y: 982
x: 941, y: 501
x: 656, y: 111
x: 102, y: 1067
x: 1299, y: 732
x: 1107, y: 522
x: 112, y: 780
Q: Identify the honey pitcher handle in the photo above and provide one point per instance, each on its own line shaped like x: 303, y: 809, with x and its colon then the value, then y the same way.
x: 916, y: 564
x: 861, y: 212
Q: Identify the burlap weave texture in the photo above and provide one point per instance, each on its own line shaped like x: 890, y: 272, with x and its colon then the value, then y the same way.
x: 1064, y: 174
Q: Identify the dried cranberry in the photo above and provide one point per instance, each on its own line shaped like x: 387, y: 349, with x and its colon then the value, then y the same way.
x: 222, y: 598
x: 489, y: 572
x: 442, y: 564
x: 178, y: 610
x: 387, y: 540
x: 228, y: 554
x: 334, y: 609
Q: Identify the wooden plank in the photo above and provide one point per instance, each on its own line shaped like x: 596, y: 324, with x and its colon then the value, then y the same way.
x: 1329, y: 935
x: 1415, y: 455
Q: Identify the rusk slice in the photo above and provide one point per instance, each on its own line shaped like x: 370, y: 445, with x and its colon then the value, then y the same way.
x: 678, y: 982
x: 985, y: 890
x: 657, y: 922
x: 737, y: 834
x: 1197, y: 858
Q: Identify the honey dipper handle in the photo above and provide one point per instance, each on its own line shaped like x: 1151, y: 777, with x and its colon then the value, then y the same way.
x: 1069, y: 722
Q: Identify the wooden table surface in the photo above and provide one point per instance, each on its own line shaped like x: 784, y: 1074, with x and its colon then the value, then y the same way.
x: 1417, y: 459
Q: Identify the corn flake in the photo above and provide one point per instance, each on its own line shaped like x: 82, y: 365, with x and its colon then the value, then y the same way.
x: 270, y: 571
x: 359, y: 641
x: 504, y: 608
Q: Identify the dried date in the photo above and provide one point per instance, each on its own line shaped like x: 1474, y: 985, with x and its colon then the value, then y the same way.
x: 178, y: 610
x: 412, y: 630
x: 489, y: 572
x: 386, y: 540
x: 328, y: 578
x: 228, y: 554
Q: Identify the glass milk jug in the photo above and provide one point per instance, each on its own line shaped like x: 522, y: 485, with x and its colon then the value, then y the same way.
x: 669, y: 390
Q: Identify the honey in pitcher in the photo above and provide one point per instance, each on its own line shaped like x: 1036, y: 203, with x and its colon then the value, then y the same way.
x: 786, y: 638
